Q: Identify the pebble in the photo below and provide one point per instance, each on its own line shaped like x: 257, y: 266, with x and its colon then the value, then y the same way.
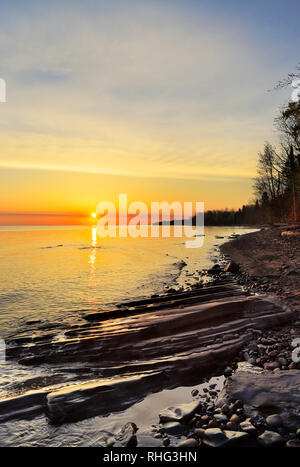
x: 166, y: 441
x: 235, y: 419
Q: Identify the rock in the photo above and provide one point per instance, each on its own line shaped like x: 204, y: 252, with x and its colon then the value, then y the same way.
x: 126, y: 435
x: 195, y: 392
x: 199, y: 432
x: 269, y: 438
x: 274, y: 421
x: 173, y: 428
x: 232, y: 267
x: 188, y: 443
x: 181, y: 413
x: 271, y: 365
x: 213, y: 424
x: 221, y: 418
x: 166, y: 441
x: 262, y: 390
x: 228, y: 371
x: 248, y: 427
x: 298, y: 432
x: 215, y: 437
x: 293, y: 443
x: 225, y: 408
x: 232, y: 426
x: 110, y: 442
x: 235, y: 419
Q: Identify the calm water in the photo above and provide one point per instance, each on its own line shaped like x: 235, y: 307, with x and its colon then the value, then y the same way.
x: 58, y: 274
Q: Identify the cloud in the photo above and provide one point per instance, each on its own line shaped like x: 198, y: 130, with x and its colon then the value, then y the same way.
x: 141, y: 88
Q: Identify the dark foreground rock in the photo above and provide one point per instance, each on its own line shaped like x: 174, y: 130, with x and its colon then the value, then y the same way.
x: 273, y: 396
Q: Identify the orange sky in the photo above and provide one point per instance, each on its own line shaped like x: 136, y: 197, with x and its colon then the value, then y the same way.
x: 164, y: 101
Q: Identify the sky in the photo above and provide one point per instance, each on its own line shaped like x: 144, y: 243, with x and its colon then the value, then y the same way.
x: 162, y: 99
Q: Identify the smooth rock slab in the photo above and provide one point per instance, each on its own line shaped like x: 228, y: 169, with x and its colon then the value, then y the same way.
x: 181, y: 413
x: 215, y: 437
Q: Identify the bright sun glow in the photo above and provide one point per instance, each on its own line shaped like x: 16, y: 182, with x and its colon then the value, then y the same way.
x: 94, y: 214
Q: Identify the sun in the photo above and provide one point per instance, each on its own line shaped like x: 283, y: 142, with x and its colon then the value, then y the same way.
x: 94, y: 214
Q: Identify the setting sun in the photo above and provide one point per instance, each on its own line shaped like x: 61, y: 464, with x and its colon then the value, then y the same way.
x: 94, y: 214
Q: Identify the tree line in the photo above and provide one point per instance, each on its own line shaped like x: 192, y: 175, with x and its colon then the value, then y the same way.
x: 277, y: 184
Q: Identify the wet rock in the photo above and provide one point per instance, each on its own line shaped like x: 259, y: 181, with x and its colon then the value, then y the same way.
x: 270, y: 438
x: 188, y: 443
x: 248, y: 427
x: 181, y: 413
x: 215, y: 437
x: 173, y: 428
x: 166, y: 441
x: 195, y: 392
x: 274, y: 421
x: 127, y: 435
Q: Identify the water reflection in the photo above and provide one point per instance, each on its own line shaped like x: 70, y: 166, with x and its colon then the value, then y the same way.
x: 92, y: 262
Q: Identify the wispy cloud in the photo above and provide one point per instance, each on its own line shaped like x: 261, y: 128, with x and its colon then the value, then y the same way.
x: 141, y: 88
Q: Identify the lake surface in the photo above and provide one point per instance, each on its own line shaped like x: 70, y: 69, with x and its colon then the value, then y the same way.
x: 54, y: 277
x: 58, y: 274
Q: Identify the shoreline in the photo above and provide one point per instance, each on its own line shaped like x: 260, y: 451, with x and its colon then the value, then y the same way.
x: 207, y: 329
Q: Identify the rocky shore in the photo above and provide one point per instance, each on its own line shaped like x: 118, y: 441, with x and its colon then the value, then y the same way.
x: 260, y: 402
x: 240, y: 324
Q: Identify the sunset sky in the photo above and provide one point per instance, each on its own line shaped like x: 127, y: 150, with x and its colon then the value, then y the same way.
x: 162, y: 99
